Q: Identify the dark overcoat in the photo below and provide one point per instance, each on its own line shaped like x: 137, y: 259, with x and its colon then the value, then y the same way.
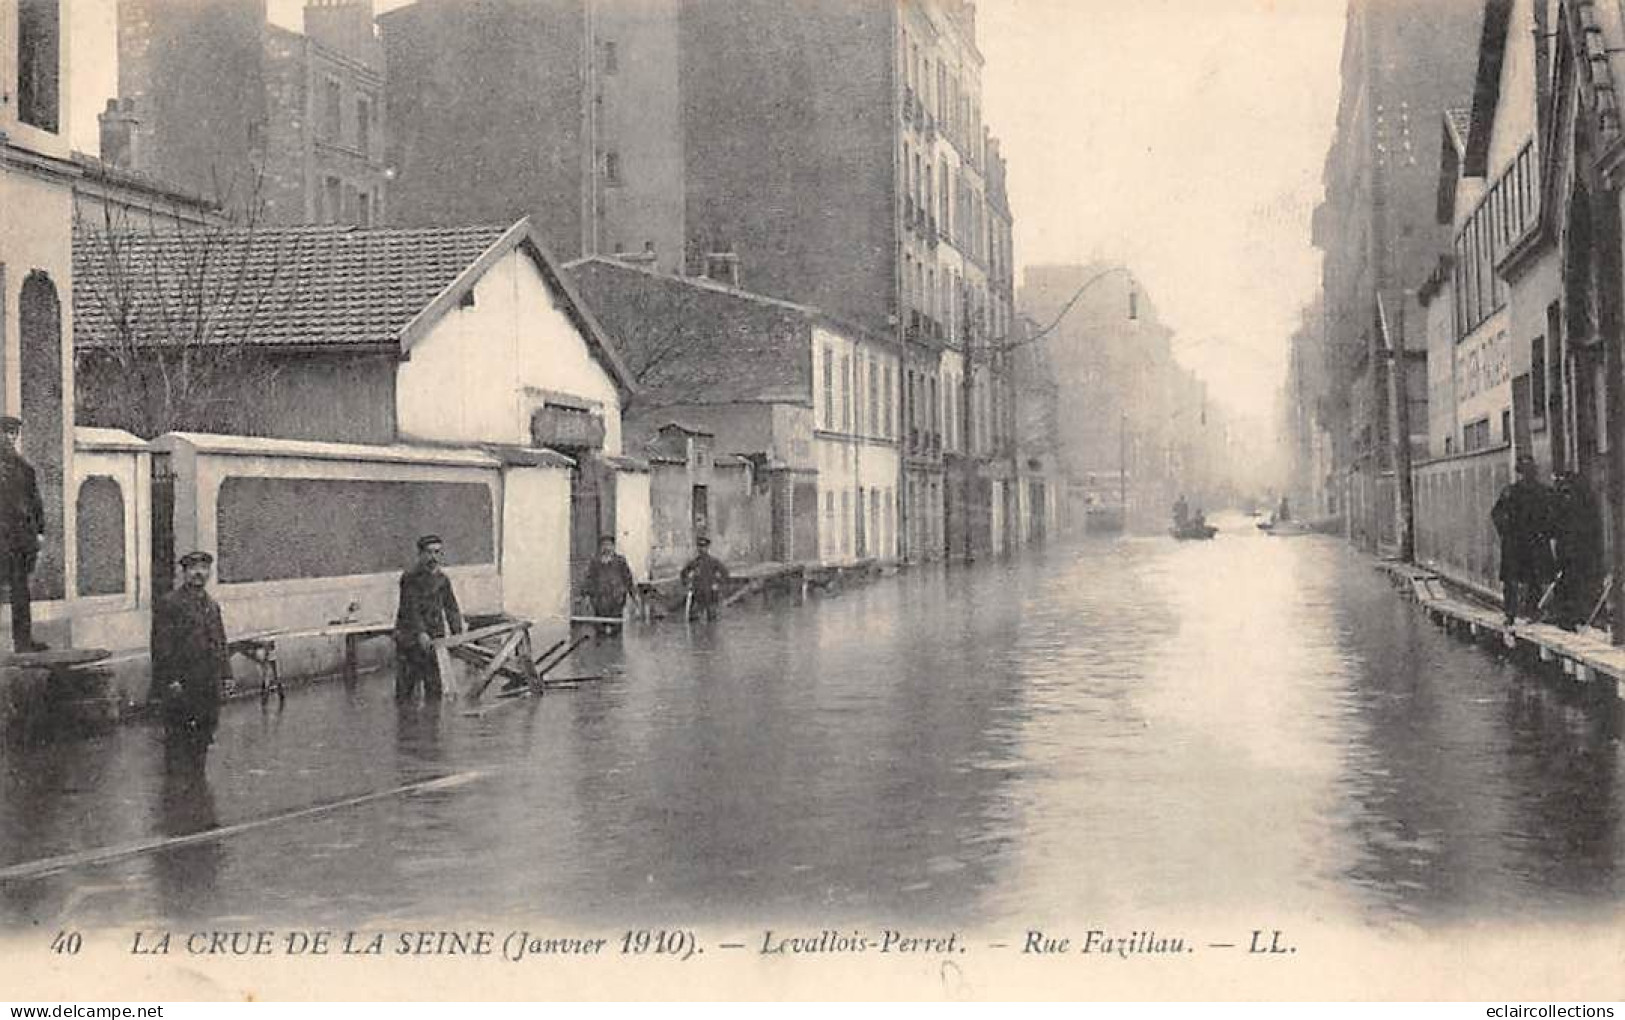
x: 705, y: 575
x: 608, y: 582
x: 427, y: 606
x: 189, y: 648
x: 1522, y: 517
x: 22, y: 513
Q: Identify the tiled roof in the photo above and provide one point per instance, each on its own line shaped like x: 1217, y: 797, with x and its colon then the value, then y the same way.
x: 696, y: 342
x: 272, y: 286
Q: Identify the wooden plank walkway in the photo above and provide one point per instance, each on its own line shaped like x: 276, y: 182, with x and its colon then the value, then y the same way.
x: 1586, y: 655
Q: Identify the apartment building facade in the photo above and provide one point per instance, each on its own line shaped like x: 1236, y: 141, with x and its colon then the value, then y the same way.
x: 272, y: 124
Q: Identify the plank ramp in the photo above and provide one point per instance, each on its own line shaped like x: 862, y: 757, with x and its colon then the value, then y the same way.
x: 1586, y: 655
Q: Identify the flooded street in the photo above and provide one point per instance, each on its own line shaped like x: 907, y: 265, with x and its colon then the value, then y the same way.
x: 1117, y: 727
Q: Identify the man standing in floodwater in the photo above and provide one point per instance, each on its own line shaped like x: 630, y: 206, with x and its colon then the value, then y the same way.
x: 705, y: 576
x: 428, y: 609
x: 608, y: 583
x: 190, y: 659
x: 1522, y: 517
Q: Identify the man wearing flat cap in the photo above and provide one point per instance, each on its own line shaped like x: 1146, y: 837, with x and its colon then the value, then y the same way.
x: 190, y: 658
x: 22, y: 532
x: 608, y: 584
x: 428, y: 610
x: 705, y: 576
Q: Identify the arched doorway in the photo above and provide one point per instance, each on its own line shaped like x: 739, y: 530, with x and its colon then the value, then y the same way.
x: 40, y: 322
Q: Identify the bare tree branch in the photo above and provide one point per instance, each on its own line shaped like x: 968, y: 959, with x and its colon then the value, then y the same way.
x: 175, y: 307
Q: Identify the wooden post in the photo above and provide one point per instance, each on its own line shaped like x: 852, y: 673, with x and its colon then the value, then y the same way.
x: 350, y: 642
x: 449, y: 688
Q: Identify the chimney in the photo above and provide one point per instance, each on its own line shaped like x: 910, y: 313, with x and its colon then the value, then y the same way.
x: 347, y: 27
x: 723, y: 267
x: 120, y: 133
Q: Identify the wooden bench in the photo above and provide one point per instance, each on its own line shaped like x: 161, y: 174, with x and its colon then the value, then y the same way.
x: 261, y: 648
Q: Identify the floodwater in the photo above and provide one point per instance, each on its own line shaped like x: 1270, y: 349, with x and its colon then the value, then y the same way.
x: 1115, y: 728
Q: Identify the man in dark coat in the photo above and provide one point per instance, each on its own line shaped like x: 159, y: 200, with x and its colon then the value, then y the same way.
x: 428, y: 610
x: 608, y: 583
x: 190, y: 658
x: 1522, y: 517
x: 22, y: 532
x: 1577, y: 535
x: 705, y: 576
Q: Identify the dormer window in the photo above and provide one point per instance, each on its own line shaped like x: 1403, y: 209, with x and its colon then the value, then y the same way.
x: 39, y: 63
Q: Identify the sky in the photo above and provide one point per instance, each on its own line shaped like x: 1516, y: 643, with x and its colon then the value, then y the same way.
x: 1184, y: 138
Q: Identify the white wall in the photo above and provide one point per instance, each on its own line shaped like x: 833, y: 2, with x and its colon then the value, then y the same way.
x: 1483, y: 377
x: 855, y: 451
x: 951, y: 394
x: 536, y: 549
x: 473, y: 377
x: 201, y: 463
x: 1441, y: 340
x: 1515, y: 106
x: 119, y: 621
x: 633, y: 520
x: 36, y: 224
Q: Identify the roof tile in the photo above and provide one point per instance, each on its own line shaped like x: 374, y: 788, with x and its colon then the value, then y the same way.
x: 277, y: 286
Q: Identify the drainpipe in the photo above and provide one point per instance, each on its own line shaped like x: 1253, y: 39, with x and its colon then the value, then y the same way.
x: 1399, y: 399
x: 1607, y: 221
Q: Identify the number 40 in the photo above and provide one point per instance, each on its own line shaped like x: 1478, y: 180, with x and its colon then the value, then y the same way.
x: 66, y: 943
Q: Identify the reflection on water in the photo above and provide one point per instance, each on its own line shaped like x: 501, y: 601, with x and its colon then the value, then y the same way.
x: 185, y: 875
x: 1131, y: 727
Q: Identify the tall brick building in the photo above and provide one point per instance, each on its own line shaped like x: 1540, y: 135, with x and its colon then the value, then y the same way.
x: 215, y: 99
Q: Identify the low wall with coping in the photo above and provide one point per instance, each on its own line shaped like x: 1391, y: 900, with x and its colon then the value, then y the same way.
x: 307, y: 533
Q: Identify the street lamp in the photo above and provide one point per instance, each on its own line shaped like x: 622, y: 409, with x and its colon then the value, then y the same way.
x: 1133, y: 305
x: 1040, y: 334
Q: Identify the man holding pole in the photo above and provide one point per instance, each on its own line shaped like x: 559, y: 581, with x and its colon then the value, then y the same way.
x: 428, y: 610
x: 705, y: 576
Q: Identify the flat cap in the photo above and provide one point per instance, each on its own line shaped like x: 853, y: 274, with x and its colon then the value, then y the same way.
x: 10, y: 423
x: 428, y: 540
x: 196, y: 556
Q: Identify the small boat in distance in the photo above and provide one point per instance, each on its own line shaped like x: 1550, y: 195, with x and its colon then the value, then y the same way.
x: 1284, y: 529
x: 1192, y: 530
